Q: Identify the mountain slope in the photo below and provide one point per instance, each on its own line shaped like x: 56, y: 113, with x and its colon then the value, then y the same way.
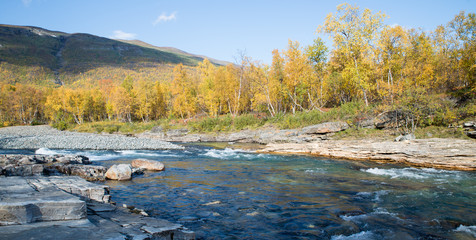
x: 75, y: 53
x: 176, y: 51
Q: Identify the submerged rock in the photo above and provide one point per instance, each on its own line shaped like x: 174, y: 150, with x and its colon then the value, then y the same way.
x: 147, y: 164
x: 119, y: 172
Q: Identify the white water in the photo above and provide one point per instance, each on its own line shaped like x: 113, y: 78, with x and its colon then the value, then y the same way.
x: 471, y: 230
x: 364, y: 235
x: 47, y: 151
x: 416, y: 173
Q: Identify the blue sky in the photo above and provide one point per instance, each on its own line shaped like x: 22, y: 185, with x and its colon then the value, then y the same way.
x: 217, y: 29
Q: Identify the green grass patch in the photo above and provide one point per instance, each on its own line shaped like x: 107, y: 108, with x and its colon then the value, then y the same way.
x: 226, y: 123
x: 365, y: 133
x: 440, y: 132
x: 348, y: 112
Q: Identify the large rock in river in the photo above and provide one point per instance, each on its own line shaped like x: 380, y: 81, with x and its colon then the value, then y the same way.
x: 119, y: 172
x: 147, y: 164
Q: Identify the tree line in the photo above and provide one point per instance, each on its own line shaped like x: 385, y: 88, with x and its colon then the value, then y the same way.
x: 368, y: 61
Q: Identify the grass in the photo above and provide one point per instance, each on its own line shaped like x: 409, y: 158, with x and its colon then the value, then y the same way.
x: 440, y: 132
x: 365, y: 133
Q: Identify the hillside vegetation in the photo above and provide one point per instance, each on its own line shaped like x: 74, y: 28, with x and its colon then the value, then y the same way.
x: 372, y: 68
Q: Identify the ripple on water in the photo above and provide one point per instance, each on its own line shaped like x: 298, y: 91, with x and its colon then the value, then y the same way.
x: 225, y: 193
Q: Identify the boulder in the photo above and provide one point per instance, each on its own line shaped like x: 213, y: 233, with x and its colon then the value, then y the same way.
x: 469, y: 125
x: 119, y: 172
x: 365, y: 123
x: 147, y: 164
x: 405, y: 137
x: 324, y: 128
x: 471, y: 134
x: 393, y: 119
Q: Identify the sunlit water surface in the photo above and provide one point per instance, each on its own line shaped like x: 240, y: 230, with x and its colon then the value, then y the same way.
x: 235, y: 194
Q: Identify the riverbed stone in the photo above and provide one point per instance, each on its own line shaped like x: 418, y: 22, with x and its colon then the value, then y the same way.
x: 147, y: 164
x: 119, y: 172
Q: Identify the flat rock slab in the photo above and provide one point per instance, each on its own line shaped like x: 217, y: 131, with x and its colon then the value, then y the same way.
x: 455, y: 154
x: 59, y: 207
x: 74, y: 185
x: 21, y: 203
x: 103, y: 221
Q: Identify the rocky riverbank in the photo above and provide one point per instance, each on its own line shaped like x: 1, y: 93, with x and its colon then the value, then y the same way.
x: 60, y: 207
x: 317, y: 140
x: 454, y: 154
x: 38, y: 197
x: 34, y: 137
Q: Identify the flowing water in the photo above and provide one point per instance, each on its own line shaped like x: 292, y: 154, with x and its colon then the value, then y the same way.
x: 235, y: 194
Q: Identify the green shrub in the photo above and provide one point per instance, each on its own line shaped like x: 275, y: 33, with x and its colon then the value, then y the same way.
x: 247, y: 121
x: 61, y: 125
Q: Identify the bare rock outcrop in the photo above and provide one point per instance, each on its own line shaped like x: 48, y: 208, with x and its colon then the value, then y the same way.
x: 37, y: 165
x: 438, y: 153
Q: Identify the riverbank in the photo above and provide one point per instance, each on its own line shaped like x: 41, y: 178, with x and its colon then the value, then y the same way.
x: 316, y: 140
x: 452, y: 154
x: 44, y: 136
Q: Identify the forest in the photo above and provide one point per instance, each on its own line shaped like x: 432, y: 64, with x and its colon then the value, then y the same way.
x: 431, y: 74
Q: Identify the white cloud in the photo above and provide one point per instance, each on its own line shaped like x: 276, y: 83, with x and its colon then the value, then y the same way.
x: 165, y: 18
x: 118, y: 34
x: 26, y: 2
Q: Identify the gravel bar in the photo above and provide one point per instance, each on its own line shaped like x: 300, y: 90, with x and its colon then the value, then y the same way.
x: 44, y: 136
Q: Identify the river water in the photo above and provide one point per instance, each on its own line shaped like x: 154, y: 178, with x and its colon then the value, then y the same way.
x: 237, y: 194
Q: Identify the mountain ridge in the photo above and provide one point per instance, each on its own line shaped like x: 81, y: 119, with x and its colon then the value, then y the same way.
x: 78, y: 52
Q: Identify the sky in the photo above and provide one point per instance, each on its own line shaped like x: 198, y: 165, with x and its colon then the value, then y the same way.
x: 217, y: 29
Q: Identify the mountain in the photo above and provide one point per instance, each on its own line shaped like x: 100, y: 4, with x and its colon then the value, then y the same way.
x: 75, y: 53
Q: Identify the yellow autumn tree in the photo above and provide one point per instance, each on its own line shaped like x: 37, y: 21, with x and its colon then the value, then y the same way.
x: 391, y: 51
x: 297, y: 76
x: 207, y: 88
x: 183, y: 93
x: 317, y: 56
x: 354, y: 33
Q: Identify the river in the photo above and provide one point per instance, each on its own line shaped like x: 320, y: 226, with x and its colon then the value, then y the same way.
x: 237, y: 194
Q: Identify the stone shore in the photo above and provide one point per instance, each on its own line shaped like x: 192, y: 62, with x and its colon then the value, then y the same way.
x: 34, y: 137
x: 453, y: 154
x: 317, y: 140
